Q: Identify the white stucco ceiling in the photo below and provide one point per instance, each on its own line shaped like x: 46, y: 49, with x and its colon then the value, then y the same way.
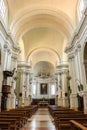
x: 42, y: 28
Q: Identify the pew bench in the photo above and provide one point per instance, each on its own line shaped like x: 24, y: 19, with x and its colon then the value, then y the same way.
x: 5, y: 125
x: 14, y: 122
x: 20, y: 119
x: 65, y: 122
x: 77, y: 126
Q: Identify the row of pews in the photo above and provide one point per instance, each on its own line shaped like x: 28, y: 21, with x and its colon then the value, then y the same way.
x: 15, y: 119
x: 66, y: 118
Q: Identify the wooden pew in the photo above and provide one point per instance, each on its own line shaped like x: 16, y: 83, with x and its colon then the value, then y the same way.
x: 56, y: 113
x: 14, y: 122
x: 19, y: 119
x: 76, y: 126
x: 16, y: 118
x: 65, y: 122
x: 5, y: 125
x: 62, y: 119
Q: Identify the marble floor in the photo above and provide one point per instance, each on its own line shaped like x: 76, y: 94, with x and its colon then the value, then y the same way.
x: 41, y: 120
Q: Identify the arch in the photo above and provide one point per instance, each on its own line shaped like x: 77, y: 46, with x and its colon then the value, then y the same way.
x: 58, y: 58
x: 29, y: 16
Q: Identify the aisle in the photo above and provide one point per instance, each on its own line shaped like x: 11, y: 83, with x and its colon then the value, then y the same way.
x: 41, y: 120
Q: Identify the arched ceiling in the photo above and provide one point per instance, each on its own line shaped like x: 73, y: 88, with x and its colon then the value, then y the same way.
x: 44, y: 54
x: 43, y: 25
x: 43, y: 68
x: 43, y: 37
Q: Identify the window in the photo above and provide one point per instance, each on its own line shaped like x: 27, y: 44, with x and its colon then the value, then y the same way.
x: 53, y: 89
x: 34, y: 89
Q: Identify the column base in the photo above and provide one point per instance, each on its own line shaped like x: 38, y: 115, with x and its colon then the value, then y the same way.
x: 85, y: 111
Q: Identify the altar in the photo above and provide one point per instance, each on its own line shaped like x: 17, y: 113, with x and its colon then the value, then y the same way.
x: 43, y: 104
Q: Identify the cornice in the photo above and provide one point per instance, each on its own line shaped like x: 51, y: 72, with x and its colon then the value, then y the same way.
x: 24, y: 65
x: 62, y: 67
x: 7, y: 33
x: 79, y: 32
x: 16, y: 49
x: 69, y: 48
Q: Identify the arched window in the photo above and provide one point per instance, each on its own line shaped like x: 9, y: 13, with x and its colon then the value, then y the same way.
x: 33, y: 89
x: 3, y: 10
x: 53, y: 89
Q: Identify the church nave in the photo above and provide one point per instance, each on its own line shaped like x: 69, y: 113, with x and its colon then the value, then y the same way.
x: 41, y: 120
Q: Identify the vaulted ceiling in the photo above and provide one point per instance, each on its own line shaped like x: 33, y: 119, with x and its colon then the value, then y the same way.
x: 42, y: 28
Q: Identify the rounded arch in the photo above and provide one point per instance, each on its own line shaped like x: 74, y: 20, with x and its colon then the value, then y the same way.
x: 41, y: 50
x: 43, y: 67
x: 29, y: 16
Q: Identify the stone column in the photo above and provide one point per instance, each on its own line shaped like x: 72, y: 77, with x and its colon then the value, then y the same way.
x: 26, y: 100
x: 62, y: 84
x: 60, y: 103
x: 0, y: 100
x: 8, y: 105
x: 64, y: 89
x: 82, y: 77
x: 73, y: 97
x: 85, y: 3
x: 13, y: 80
x: 5, y: 56
x: 1, y: 79
x: 73, y: 101
x: 21, y: 93
x: 9, y: 60
x: 85, y: 101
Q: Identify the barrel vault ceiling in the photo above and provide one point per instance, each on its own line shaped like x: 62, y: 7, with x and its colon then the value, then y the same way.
x: 42, y: 28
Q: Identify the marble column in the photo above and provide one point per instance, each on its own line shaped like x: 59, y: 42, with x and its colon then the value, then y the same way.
x: 8, y: 105
x: 85, y: 101
x: 85, y: 3
x: 22, y: 81
x: 9, y: 59
x: 64, y: 89
x: 0, y: 101
x: 1, y: 79
x: 59, y: 89
x: 26, y: 100
x: 82, y: 77
x: 62, y: 70
x: 13, y: 80
x: 5, y: 56
x: 73, y: 69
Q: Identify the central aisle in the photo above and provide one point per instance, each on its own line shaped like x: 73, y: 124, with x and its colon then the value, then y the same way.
x: 41, y: 120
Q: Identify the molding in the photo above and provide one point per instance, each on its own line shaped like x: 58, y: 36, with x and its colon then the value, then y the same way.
x: 7, y: 35
x: 85, y: 40
x: 24, y: 65
x: 14, y: 57
x: 61, y: 66
x: 79, y: 32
